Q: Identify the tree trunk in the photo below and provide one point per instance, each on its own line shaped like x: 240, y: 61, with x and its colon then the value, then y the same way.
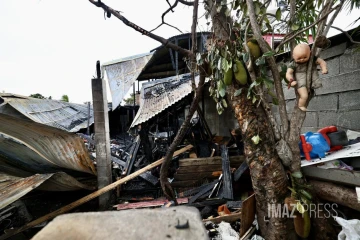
x: 268, y: 176
x: 336, y: 193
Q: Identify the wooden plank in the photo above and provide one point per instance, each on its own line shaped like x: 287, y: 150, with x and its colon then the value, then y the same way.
x: 193, y: 191
x: 153, y: 203
x: 199, y: 168
x: 186, y: 183
x: 227, y: 178
x: 131, y: 158
x: 333, y: 175
x: 209, y: 160
x: 203, y: 191
x: 248, y: 214
x: 226, y: 218
x: 240, y: 171
x: 196, y: 176
x: 89, y: 197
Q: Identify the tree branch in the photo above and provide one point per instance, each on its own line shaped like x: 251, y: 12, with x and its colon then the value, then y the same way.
x: 333, y: 19
x: 186, y: 3
x: 194, y: 43
x: 347, y: 34
x: 289, y: 36
x: 163, y: 17
x: 163, y: 41
x: 273, y: 67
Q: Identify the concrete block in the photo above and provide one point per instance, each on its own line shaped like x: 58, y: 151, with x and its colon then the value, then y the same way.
x: 309, y: 129
x: 323, y: 102
x: 289, y: 93
x: 333, y: 51
x: 311, y: 120
x: 349, y: 100
x: 346, y: 119
x: 328, y: 118
x: 350, y: 61
x: 290, y: 105
x: 340, y: 83
x: 333, y: 66
x: 151, y: 224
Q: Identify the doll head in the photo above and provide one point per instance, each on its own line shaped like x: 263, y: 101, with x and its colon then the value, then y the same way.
x: 301, y: 53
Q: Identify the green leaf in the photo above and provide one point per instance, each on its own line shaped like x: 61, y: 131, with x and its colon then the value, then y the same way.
x: 227, y: 12
x: 254, y: 99
x: 268, y: 54
x: 256, y: 139
x: 297, y: 174
x: 278, y: 14
x: 238, y: 92
x: 300, y: 207
x: 219, y: 65
x: 260, y: 61
x: 224, y: 103
x: 222, y: 92
x: 257, y: 8
x: 246, y: 57
x: 295, y: 27
x: 224, y: 65
x: 275, y: 101
x: 198, y: 56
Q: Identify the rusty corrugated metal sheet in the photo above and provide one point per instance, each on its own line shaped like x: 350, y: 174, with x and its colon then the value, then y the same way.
x: 38, y: 148
x: 12, y: 188
x: 122, y: 74
x: 70, y: 117
x: 158, y: 95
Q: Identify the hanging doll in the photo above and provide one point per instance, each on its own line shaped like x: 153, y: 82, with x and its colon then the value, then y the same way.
x: 301, y: 55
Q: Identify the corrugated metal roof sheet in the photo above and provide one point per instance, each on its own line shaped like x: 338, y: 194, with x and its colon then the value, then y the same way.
x: 158, y: 95
x: 123, y: 73
x: 38, y: 148
x: 70, y: 117
x: 12, y: 188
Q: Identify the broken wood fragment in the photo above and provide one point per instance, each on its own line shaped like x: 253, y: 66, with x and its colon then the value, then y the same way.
x: 226, y: 218
x: 248, y: 214
x: 226, y: 172
x: 205, y: 190
x: 132, y: 156
x: 154, y: 203
x: 89, y: 197
x: 240, y: 171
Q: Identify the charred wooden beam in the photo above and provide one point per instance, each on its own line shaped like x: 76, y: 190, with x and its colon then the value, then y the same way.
x: 139, y: 161
x: 240, y: 171
x: 204, y: 123
x: 145, y: 142
x: 205, y: 190
x: 210, y: 202
x: 227, y: 180
x: 193, y: 191
x: 149, y: 177
x: 131, y: 158
x: 209, y: 160
x: 116, y: 159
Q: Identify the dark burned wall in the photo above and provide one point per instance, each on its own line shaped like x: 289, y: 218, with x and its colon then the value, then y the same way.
x: 338, y: 101
x: 120, y: 119
x: 218, y: 124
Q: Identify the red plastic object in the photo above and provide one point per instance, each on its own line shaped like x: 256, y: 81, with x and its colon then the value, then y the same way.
x: 324, y: 131
x: 306, y: 147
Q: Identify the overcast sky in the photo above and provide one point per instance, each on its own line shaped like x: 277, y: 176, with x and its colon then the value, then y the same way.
x: 51, y: 47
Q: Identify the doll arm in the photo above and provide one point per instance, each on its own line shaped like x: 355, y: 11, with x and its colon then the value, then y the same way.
x: 323, y: 65
x: 290, y: 74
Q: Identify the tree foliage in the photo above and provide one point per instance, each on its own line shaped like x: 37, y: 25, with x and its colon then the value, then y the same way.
x: 65, y: 98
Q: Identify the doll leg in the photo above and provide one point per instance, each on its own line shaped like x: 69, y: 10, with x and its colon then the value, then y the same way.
x: 302, y: 98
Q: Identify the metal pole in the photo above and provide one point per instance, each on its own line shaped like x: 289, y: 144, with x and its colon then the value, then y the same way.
x: 102, y: 138
x: 88, y: 120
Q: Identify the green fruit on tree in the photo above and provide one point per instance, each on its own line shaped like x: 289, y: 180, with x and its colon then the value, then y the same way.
x: 240, y: 75
x: 254, y: 48
x: 302, y: 224
x: 228, y: 77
